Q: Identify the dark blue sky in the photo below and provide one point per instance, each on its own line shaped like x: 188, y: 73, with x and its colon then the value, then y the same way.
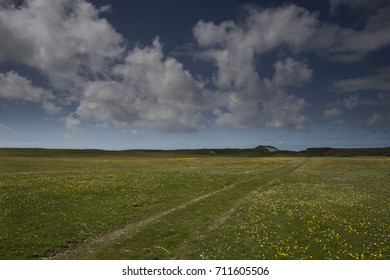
x: 191, y: 74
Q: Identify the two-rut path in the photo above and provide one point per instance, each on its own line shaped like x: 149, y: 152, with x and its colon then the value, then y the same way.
x: 226, y: 200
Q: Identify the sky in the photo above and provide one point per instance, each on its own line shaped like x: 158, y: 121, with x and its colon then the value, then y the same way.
x: 170, y: 74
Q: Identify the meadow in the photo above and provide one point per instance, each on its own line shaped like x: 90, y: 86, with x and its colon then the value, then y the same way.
x: 188, y: 206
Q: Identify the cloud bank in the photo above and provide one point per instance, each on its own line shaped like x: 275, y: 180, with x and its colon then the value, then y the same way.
x: 379, y: 81
x: 65, y: 39
x: 150, y: 89
x: 15, y: 87
x: 95, y: 77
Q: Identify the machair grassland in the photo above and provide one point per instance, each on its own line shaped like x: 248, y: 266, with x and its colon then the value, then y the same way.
x: 193, y: 207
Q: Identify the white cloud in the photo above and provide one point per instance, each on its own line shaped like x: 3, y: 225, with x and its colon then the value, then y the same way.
x: 15, y: 87
x: 332, y: 112
x: 379, y: 81
x: 291, y: 73
x: 349, y: 45
x: 50, y: 107
x: 136, y: 133
x: 292, y: 26
x: 81, y: 53
x: 246, y: 99
x: 371, y: 113
x: 374, y: 119
x: 355, y: 101
x: 73, y: 126
x: 251, y: 100
x: 102, y: 125
x: 65, y: 39
x: 151, y: 89
x: 6, y: 3
x: 261, y: 30
x: 232, y: 46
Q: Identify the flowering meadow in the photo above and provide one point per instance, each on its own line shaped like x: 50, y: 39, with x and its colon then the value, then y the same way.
x: 330, y: 208
x: 193, y: 207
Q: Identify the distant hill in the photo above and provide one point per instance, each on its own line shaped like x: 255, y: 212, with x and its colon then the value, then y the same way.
x: 266, y: 149
x: 259, y: 151
x: 346, y: 152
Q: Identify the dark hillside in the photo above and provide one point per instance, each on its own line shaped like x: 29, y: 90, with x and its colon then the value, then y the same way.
x: 260, y: 151
x: 345, y: 152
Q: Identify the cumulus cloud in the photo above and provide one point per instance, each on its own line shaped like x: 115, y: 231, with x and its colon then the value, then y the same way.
x: 291, y: 73
x: 136, y: 133
x: 252, y: 100
x: 231, y: 44
x: 102, y: 125
x: 355, y: 101
x: 332, y: 112
x: 6, y: 3
x: 69, y: 38
x: 379, y: 81
x: 15, y: 87
x: 298, y: 29
x: 151, y: 89
x: 73, y: 126
x: 349, y: 45
x: 375, y: 118
x: 371, y: 113
x: 65, y: 39
x: 262, y: 29
x: 246, y: 98
x: 81, y: 53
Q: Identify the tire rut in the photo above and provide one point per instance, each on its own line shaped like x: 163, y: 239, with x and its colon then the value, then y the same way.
x: 85, y: 248
x: 267, y: 179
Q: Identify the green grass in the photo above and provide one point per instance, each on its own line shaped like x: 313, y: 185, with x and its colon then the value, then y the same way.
x: 330, y: 208
x: 148, y: 205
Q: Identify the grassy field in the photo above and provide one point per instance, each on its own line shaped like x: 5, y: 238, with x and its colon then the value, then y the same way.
x: 183, y: 206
